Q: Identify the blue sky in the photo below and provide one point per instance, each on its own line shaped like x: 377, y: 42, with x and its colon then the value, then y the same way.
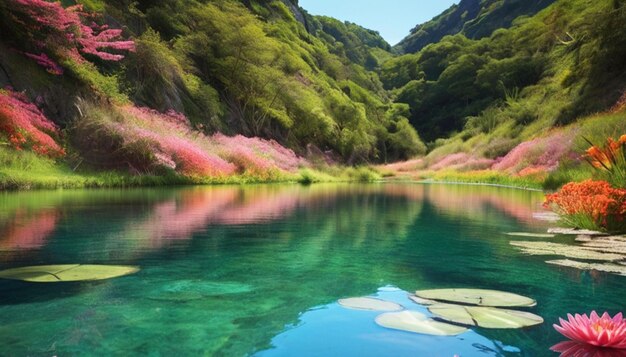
x: 392, y: 18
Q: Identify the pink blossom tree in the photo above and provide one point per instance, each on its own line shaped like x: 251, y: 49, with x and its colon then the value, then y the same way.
x: 62, y: 33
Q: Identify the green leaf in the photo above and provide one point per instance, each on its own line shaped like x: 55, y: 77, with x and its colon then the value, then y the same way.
x: 413, y: 321
x: 569, y: 251
x: 420, y: 301
x: 603, y: 267
x: 67, y: 272
x: 487, y: 317
x: 479, y: 297
x: 367, y: 303
x: 532, y: 235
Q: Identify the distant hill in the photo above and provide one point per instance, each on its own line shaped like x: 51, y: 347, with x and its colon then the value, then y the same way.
x: 544, y: 70
x: 348, y: 40
x: 473, y: 18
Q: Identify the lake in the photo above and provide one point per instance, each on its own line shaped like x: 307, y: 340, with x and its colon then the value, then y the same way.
x: 258, y: 270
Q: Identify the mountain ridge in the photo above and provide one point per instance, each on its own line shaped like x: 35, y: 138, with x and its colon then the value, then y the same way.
x: 473, y: 18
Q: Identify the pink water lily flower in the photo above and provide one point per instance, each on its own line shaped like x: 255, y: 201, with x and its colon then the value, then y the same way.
x: 595, y: 330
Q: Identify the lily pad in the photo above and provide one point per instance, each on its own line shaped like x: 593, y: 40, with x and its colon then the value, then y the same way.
x: 422, y: 301
x: 67, y: 272
x: 604, y: 267
x: 574, y: 231
x: 533, y: 235
x: 413, y: 321
x: 368, y: 303
x: 546, y: 216
x: 487, y: 317
x: 614, y: 244
x: 481, y: 297
x: 569, y: 251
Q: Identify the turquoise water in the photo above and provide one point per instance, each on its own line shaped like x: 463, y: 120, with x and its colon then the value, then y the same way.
x: 236, y: 271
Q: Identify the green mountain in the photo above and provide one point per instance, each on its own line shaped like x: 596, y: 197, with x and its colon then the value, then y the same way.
x: 258, y: 68
x: 547, y: 70
x: 152, y: 87
x: 473, y: 18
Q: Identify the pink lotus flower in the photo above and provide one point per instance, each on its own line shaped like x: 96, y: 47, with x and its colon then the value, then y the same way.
x: 595, y: 330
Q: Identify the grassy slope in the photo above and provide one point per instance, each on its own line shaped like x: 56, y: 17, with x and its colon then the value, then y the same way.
x: 595, y: 128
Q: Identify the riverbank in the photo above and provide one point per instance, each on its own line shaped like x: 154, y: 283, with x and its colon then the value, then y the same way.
x: 23, y: 170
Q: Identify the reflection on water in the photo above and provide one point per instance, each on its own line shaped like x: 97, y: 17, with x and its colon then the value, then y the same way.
x: 29, y: 220
x: 240, y: 270
x: 28, y: 230
x: 577, y: 349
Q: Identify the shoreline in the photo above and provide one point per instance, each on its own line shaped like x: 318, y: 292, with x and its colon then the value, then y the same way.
x: 92, y: 183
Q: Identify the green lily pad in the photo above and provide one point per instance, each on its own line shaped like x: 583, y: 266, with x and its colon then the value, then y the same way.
x: 569, y: 251
x: 421, y: 301
x: 481, y: 297
x: 532, y: 235
x: 67, y: 272
x: 413, y: 321
x: 487, y: 317
x: 368, y: 303
x: 573, y: 231
x: 618, y: 269
x: 546, y: 216
x: 614, y: 244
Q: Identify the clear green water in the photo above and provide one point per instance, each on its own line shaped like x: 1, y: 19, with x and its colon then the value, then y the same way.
x: 238, y: 271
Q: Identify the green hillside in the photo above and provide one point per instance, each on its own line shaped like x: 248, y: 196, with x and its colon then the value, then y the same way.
x: 261, y: 69
x: 473, y: 18
x: 567, y: 61
x: 204, y: 91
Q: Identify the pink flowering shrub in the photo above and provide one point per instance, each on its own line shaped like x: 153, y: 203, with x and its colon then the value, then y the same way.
x: 541, y: 154
x: 257, y: 154
x: 63, y: 33
x: 173, y: 144
x: 462, y: 162
x: 148, y: 141
x: 25, y: 126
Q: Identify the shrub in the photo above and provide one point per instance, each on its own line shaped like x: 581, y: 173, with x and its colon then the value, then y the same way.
x: 258, y: 154
x: 462, y: 162
x: 545, y: 153
x: 147, y: 141
x: 65, y: 32
x: 591, y: 205
x: 25, y: 126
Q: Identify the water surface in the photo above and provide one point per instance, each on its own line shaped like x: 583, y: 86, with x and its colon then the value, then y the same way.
x: 257, y: 270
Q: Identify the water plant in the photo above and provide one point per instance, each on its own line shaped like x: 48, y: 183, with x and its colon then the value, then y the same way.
x: 594, y: 205
x: 67, y: 272
x: 609, y: 160
x: 417, y: 322
x: 604, y: 331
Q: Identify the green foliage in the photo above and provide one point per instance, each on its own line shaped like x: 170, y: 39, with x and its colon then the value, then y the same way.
x: 487, y: 177
x: 106, y: 86
x: 472, y: 18
x: 345, y: 39
x: 546, y: 70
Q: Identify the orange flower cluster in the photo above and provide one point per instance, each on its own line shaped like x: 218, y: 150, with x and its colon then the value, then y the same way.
x: 598, y: 201
x: 611, y: 159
